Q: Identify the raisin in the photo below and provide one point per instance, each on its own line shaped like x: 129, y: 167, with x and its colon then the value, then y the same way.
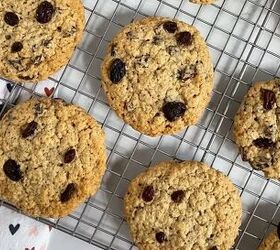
x: 29, y: 129
x: 160, y: 237
x: 269, y: 98
x: 170, y: 27
x: 16, y: 47
x: 68, y: 193
x: 177, y: 196
x: 59, y: 29
x: 173, y: 110
x: 11, y: 18
x: 12, y: 170
x: 278, y: 230
x: 213, y: 248
x: 184, y: 38
x: 45, y: 12
x: 264, y: 143
x: 148, y: 193
x: 69, y: 155
x: 117, y: 70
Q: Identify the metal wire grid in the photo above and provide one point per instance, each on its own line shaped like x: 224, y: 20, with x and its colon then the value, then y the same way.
x: 242, y: 37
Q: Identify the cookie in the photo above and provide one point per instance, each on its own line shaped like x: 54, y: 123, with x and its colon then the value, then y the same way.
x: 202, y: 1
x: 256, y: 128
x: 272, y: 241
x: 158, y: 75
x: 183, y: 206
x: 38, y: 37
x: 52, y: 157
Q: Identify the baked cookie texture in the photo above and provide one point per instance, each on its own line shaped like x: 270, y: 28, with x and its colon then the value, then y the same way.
x: 38, y: 37
x: 183, y: 206
x: 52, y: 157
x: 271, y: 242
x: 256, y: 127
x: 158, y: 75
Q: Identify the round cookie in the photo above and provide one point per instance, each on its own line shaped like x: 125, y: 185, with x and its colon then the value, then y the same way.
x: 38, y: 37
x: 183, y: 206
x: 52, y: 157
x: 272, y: 241
x: 158, y: 75
x: 256, y: 128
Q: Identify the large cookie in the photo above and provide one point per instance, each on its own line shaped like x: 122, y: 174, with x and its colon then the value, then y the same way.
x: 183, y: 206
x: 256, y: 127
x: 52, y: 157
x: 38, y: 37
x: 272, y: 241
x: 158, y: 75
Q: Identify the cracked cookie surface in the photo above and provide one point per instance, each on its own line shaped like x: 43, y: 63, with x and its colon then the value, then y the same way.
x: 256, y: 127
x: 158, y: 75
x: 183, y: 206
x: 38, y: 37
x: 52, y: 157
x: 271, y: 242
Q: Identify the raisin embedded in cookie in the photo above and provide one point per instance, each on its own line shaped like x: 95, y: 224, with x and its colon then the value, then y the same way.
x: 38, y: 37
x: 158, y: 75
x: 272, y: 241
x: 183, y: 206
x: 256, y: 127
x: 52, y: 157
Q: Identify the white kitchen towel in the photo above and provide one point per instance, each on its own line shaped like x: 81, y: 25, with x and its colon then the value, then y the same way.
x: 19, y: 232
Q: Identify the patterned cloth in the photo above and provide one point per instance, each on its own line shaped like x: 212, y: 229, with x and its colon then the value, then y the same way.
x: 19, y: 232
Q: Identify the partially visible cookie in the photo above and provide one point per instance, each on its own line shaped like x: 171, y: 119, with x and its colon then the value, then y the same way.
x: 256, y: 127
x: 52, y: 157
x: 38, y: 37
x: 202, y: 1
x: 272, y: 241
x: 158, y: 75
x: 183, y: 206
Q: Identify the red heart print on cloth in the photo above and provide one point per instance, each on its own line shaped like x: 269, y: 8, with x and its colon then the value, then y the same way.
x: 48, y: 91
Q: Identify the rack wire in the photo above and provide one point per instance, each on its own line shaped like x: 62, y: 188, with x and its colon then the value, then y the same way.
x: 243, y: 37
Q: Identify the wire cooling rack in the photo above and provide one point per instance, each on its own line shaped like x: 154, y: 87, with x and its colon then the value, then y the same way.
x: 244, y: 39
